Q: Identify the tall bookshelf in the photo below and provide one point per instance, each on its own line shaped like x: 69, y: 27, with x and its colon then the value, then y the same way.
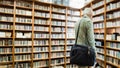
x: 106, y: 30
x: 35, y: 34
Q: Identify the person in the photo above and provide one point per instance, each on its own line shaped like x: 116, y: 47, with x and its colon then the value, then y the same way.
x: 86, y: 32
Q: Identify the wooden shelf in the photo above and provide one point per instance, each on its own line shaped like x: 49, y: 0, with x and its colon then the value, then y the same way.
x: 41, y: 31
x: 22, y: 61
x: 111, y: 48
x: 116, y: 9
x: 41, y: 24
x: 47, y: 11
x: 58, y: 19
x: 56, y: 51
x: 98, y: 21
x: 111, y: 2
x: 6, y: 29
x: 57, y: 64
x: 58, y: 12
x: 57, y: 26
x: 98, y: 7
x: 20, y: 15
x: 57, y: 32
x: 57, y: 57
x: 98, y: 28
x: 58, y: 38
x: 22, y: 7
x: 23, y: 30
x: 113, y: 19
x: 113, y: 64
x: 41, y: 17
x: 5, y: 38
x: 7, y: 62
x: 6, y: 22
x: 100, y: 46
x: 7, y: 5
x: 21, y: 23
x: 5, y: 53
x: 19, y: 53
x: 113, y: 57
x: 112, y: 41
x: 41, y: 38
x: 3, y: 13
x: 98, y: 14
x: 100, y: 53
x: 35, y: 52
x: 40, y: 59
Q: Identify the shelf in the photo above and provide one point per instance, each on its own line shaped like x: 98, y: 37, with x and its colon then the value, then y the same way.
x: 57, y: 64
x: 57, y: 51
x: 98, y: 28
x: 98, y: 7
x: 112, y: 41
x: 71, y: 21
x: 57, y: 44
x: 57, y: 26
x: 41, y: 24
x: 98, y: 21
x: 5, y: 38
x: 98, y: 14
x: 44, y: 45
x: 70, y: 27
x: 6, y: 13
x: 58, y: 38
x: 21, y: 46
x: 41, y: 31
x: 113, y: 64
x: 41, y: 38
x: 6, y: 29
x: 22, y: 60
x: 6, y: 53
x: 100, y: 60
x: 58, y: 32
x: 22, y: 7
x: 57, y: 57
x: 73, y: 15
x: 6, y: 46
x: 58, y: 12
x: 110, y: 2
x: 20, y: 15
x: 41, y: 17
x: 41, y: 10
x: 100, y: 39
x: 70, y: 38
x: 100, y: 53
x: 19, y: 53
x: 7, y: 5
x: 100, y: 46
x: 40, y: 59
x: 113, y: 57
x: 111, y: 48
x: 24, y: 30
x: 25, y: 23
x: 40, y: 52
x: 113, y: 19
x: 6, y: 22
x: 23, y: 38
x: 6, y: 62
x: 58, y: 19
x: 115, y: 9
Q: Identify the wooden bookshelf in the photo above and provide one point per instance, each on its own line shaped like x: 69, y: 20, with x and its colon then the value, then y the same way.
x: 25, y: 33
x: 103, y: 7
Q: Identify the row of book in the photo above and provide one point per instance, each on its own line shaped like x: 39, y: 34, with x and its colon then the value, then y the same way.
x: 23, y: 20
x: 23, y: 3
x: 98, y: 11
x: 58, y: 16
x: 56, y: 9
x: 67, y: 60
x: 41, y: 56
x: 23, y: 27
x: 98, y: 4
x: 113, y: 5
x: 70, y: 24
x: 98, y: 18
x: 100, y: 50
x: 19, y: 50
x: 70, y: 30
x: 5, y: 42
x: 114, y: 36
x: 74, y: 12
x: 6, y: 2
x: 23, y: 42
x: 113, y: 53
x: 41, y: 42
x: 71, y: 18
x: 42, y: 14
x: 5, y: 50
x: 57, y: 42
x: 41, y: 7
x: 113, y: 45
x: 99, y: 43
x: 101, y: 57
x: 99, y: 35
x: 22, y: 65
x: 60, y: 54
x: 58, y: 36
x: 41, y: 21
x: 58, y: 48
x: 40, y: 49
x: 112, y: 60
x: 22, y: 57
x: 58, y: 23
x: 72, y: 66
x: 68, y: 54
x: 70, y: 42
x: 6, y: 18
x: 6, y: 58
x: 6, y: 34
x: 58, y: 29
x: 99, y: 25
x: 113, y: 15
x: 40, y: 64
x: 57, y: 61
x: 5, y: 26
x: 113, y: 23
x: 23, y: 35
x: 41, y: 35
x: 6, y: 66
x: 68, y: 47
x: 6, y: 10
x: 23, y: 12
x: 71, y: 35
x: 41, y: 28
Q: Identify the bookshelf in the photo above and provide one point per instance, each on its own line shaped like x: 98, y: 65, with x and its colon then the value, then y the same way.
x: 106, y: 30
x: 36, y: 34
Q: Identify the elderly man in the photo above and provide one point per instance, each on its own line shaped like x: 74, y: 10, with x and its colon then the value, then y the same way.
x: 86, y: 33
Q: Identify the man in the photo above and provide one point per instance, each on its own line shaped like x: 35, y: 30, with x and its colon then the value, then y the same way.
x: 86, y: 32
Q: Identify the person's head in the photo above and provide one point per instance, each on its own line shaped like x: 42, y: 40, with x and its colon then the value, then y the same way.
x: 88, y: 12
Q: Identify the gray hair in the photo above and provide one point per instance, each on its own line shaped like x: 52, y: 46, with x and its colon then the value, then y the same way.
x: 87, y: 11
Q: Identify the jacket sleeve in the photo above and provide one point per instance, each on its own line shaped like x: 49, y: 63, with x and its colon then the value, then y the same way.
x: 90, y: 33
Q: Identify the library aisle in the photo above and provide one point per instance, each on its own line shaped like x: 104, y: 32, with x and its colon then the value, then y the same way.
x: 40, y: 33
